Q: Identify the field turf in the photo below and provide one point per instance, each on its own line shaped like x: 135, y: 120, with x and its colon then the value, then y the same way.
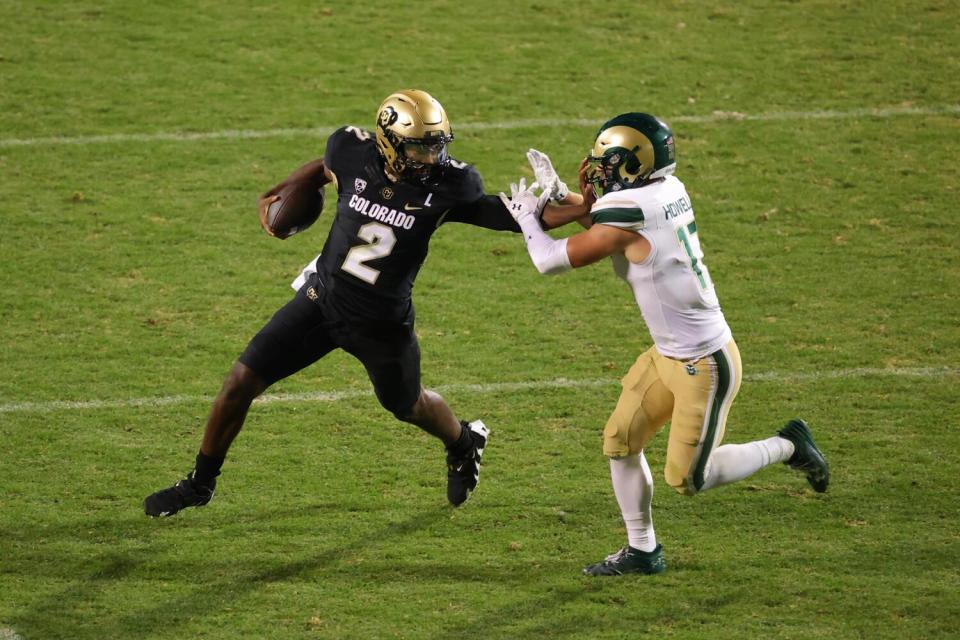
x: 818, y: 141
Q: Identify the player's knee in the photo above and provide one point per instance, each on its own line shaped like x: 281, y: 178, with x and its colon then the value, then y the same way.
x: 404, y: 415
x: 405, y: 409
x: 680, y: 482
x: 616, y: 440
x: 242, y: 384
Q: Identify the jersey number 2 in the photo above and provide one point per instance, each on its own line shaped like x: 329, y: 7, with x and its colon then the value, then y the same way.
x: 380, y: 240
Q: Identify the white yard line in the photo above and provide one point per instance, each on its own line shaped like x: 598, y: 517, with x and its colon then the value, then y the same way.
x: 480, y: 389
x: 319, y: 132
x: 507, y: 387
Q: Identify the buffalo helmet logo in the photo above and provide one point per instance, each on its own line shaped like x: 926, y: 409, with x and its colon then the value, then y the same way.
x: 387, y: 117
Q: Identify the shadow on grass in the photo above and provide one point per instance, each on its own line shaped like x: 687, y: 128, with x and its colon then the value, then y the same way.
x: 73, y: 610
x: 186, y: 592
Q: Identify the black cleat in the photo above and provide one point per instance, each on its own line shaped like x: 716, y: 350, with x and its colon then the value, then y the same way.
x: 185, y: 493
x: 463, y: 472
x: 806, y: 458
x: 629, y: 560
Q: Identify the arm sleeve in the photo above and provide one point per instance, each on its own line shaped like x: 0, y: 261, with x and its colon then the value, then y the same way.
x: 487, y: 212
x: 549, y: 256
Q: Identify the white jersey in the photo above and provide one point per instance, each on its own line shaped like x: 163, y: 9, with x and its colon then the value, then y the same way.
x: 672, y: 286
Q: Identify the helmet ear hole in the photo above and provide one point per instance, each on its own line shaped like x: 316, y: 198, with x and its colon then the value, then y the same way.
x: 632, y: 165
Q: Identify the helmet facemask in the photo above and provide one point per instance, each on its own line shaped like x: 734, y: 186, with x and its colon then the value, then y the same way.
x: 616, y: 169
x: 423, y: 160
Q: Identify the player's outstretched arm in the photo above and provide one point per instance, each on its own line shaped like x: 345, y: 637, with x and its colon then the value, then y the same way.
x: 601, y: 241
x: 551, y: 256
x: 572, y: 207
x: 558, y: 215
x: 546, y: 176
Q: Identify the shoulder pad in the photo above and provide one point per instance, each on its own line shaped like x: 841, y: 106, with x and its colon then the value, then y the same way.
x: 463, y: 182
x: 618, y: 210
x: 345, y: 140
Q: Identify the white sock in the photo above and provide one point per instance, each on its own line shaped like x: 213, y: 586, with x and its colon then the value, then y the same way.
x: 633, y: 486
x: 733, y: 462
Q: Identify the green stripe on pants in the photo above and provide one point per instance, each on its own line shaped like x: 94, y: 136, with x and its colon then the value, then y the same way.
x: 723, y: 388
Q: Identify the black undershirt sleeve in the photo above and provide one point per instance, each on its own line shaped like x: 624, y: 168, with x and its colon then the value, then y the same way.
x: 487, y: 212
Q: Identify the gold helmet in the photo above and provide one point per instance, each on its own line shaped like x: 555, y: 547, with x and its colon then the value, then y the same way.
x: 412, y: 136
x: 632, y: 150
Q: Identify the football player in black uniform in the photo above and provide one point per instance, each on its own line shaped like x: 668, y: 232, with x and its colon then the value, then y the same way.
x: 395, y: 189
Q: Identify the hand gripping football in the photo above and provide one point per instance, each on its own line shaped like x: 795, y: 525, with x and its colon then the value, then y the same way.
x: 299, y: 207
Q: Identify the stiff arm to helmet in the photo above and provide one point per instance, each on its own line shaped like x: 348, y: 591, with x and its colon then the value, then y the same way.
x: 546, y: 176
x: 549, y: 256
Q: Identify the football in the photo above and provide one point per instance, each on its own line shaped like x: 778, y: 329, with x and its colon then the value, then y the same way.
x: 299, y: 207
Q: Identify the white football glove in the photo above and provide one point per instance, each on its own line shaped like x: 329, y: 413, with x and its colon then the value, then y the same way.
x: 546, y: 176
x: 523, y: 203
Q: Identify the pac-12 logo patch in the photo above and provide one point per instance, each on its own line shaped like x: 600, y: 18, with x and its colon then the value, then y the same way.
x: 359, y: 185
x: 691, y: 370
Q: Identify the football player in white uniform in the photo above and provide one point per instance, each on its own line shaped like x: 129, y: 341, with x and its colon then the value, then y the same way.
x: 644, y: 222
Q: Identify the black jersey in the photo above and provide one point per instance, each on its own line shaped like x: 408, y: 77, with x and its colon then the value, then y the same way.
x: 382, y: 229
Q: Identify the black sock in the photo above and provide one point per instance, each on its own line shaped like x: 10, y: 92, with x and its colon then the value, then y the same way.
x: 464, y: 443
x: 206, y: 468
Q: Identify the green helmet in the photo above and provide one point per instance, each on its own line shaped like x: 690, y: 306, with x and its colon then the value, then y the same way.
x: 632, y: 150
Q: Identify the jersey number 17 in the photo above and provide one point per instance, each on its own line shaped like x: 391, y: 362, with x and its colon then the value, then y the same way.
x: 691, y: 245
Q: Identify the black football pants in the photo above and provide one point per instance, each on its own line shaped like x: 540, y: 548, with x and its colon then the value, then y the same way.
x: 302, y: 331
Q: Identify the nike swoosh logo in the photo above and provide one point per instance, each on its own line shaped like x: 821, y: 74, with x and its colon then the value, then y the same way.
x: 408, y: 207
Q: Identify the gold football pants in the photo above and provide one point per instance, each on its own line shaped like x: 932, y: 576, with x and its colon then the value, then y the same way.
x: 694, y: 396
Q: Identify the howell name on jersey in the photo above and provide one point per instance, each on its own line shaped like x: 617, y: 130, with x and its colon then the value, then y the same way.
x: 381, y: 232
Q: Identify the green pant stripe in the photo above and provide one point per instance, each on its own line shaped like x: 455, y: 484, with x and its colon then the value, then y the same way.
x: 723, y: 388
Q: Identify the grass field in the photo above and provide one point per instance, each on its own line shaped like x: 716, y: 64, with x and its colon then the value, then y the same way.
x: 818, y: 141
